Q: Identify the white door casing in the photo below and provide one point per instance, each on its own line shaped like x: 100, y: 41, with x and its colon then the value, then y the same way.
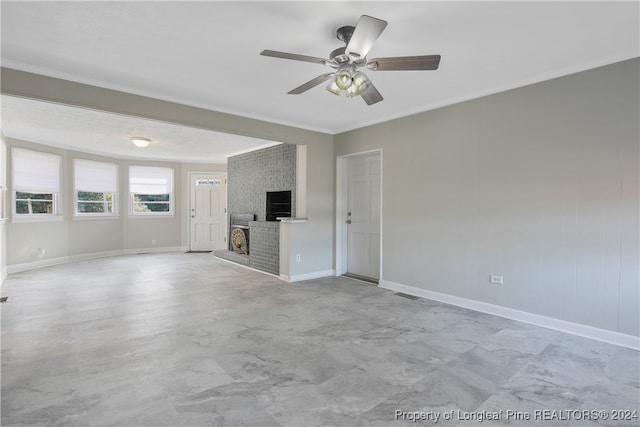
x: 363, y: 215
x: 207, y: 211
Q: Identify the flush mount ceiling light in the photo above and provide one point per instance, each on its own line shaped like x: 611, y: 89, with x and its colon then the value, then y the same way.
x: 139, y: 141
x: 347, y: 60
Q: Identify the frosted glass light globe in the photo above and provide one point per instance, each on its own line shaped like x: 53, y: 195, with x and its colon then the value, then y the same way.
x: 343, y: 79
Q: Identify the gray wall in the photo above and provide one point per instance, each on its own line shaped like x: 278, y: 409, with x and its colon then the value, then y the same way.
x: 72, y: 236
x: 317, y: 234
x: 251, y: 175
x: 538, y: 184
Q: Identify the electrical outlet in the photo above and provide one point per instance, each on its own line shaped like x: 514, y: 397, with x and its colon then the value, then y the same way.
x: 40, y: 252
x: 153, y: 242
x: 298, y: 258
x: 498, y: 280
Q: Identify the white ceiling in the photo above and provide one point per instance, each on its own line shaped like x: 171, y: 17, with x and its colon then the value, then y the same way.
x: 109, y: 134
x: 206, y: 54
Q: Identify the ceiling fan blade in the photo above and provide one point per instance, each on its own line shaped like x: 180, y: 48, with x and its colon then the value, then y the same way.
x: 366, y: 33
x: 293, y: 56
x: 371, y: 95
x: 310, y: 84
x: 399, y: 63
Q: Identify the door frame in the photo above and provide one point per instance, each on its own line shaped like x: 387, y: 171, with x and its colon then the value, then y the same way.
x: 342, y: 185
x: 190, y: 201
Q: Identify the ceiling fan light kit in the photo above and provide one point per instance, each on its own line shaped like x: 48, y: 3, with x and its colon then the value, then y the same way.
x: 351, y: 81
x: 343, y: 79
x: 333, y: 88
x: 347, y: 60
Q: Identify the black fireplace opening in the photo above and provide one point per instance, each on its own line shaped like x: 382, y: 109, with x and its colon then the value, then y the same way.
x: 278, y: 204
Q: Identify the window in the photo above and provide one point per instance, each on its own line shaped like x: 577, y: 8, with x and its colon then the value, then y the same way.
x: 95, y: 185
x: 151, y: 190
x: 36, y: 183
x: 208, y: 182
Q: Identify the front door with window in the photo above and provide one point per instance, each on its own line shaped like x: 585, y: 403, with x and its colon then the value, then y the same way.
x: 208, y: 211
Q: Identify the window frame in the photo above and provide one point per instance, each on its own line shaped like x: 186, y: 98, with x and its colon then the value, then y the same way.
x: 114, y: 195
x: 55, y: 214
x: 106, y: 214
x: 53, y: 200
x: 160, y: 214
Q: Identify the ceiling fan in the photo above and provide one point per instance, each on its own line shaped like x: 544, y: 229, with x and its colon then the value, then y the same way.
x: 347, y: 62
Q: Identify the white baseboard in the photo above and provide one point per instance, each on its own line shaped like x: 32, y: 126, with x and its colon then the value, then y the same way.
x: 17, y: 268
x: 248, y: 268
x: 154, y: 250
x: 611, y: 337
x: 308, y: 276
x: 25, y: 266
x: 94, y: 255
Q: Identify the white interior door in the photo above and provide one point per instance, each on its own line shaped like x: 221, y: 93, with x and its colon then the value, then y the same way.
x: 208, y: 211
x: 363, y: 215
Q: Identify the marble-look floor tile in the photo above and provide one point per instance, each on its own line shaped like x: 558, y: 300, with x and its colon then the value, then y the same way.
x: 436, y: 393
x: 488, y: 370
x: 188, y: 340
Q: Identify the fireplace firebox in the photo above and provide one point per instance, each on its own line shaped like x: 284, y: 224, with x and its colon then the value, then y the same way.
x: 239, y: 232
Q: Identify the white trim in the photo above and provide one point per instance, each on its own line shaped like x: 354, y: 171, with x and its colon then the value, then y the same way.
x: 285, y: 277
x: 94, y: 255
x: 171, y: 213
x: 611, y: 337
x: 3, y: 275
x: 308, y: 276
x: 341, y: 206
x: 342, y: 183
x: 301, y: 181
x: 36, y: 218
x: 159, y: 215
x: 139, y: 251
x: 17, y: 268
x: 247, y: 267
x: 93, y: 217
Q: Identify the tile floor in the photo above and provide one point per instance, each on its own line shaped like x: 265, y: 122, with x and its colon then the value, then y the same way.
x: 189, y: 340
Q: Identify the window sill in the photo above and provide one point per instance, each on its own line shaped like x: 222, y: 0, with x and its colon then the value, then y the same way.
x: 166, y: 216
x: 52, y: 218
x: 95, y: 217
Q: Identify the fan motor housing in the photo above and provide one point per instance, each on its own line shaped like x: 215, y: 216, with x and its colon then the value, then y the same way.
x: 344, y: 33
x: 339, y: 55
